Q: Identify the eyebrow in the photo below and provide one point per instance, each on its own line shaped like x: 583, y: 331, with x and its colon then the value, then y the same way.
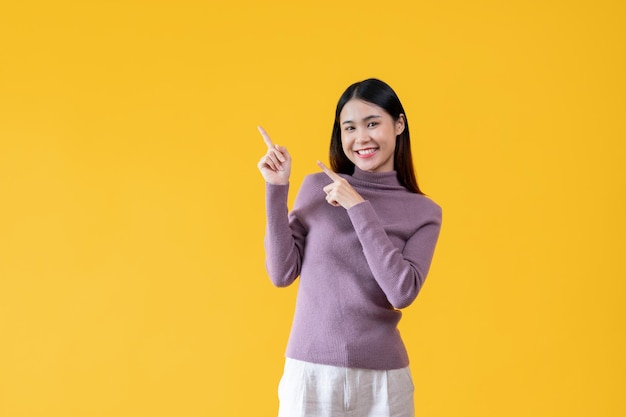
x: 373, y: 116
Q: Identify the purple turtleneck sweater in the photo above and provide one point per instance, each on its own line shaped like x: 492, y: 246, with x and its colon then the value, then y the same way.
x: 357, y: 267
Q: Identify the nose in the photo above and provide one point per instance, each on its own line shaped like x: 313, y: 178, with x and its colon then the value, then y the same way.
x: 362, y: 136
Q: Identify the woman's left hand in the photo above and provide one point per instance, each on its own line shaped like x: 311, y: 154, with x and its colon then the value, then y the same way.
x: 339, y: 192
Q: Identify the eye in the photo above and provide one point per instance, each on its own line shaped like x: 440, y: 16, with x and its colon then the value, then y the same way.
x: 372, y: 124
x: 349, y: 128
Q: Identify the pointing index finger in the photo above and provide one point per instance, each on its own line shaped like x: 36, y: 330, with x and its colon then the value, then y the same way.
x: 333, y: 176
x: 266, y: 137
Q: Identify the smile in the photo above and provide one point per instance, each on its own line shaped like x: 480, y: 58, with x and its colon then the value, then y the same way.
x: 366, y: 152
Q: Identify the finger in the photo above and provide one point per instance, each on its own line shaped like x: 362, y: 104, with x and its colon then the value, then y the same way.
x: 332, y: 201
x: 266, y: 137
x: 271, y: 160
x: 265, y: 162
x: 333, y: 175
x: 274, y: 161
x: 280, y: 153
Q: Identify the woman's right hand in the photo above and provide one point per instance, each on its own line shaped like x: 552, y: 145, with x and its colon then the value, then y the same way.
x: 275, y: 165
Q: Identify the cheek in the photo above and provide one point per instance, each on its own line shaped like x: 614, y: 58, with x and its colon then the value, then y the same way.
x: 345, y: 143
x: 391, y: 138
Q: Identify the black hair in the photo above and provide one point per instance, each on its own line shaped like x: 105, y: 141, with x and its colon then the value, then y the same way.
x: 376, y: 92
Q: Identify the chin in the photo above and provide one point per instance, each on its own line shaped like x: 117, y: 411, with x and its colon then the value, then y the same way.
x: 365, y: 167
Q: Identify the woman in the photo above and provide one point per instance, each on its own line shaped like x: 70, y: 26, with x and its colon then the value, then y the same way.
x: 361, y: 238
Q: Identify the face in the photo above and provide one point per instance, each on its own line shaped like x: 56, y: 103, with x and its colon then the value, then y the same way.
x: 368, y: 135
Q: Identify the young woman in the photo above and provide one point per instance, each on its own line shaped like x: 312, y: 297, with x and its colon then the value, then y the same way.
x: 361, y: 238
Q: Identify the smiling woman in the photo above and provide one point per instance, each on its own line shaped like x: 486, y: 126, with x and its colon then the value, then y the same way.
x: 368, y: 135
x: 361, y: 255
x: 374, y: 103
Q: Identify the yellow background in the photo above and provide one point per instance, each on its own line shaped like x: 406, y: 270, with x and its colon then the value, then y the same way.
x: 132, y: 278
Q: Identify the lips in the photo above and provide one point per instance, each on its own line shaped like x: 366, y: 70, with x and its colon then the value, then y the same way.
x: 367, y: 152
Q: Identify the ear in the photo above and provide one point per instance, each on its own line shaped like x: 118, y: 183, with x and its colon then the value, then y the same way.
x: 400, y: 124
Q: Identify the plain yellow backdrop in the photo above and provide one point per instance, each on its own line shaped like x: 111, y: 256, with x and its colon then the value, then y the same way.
x: 132, y: 278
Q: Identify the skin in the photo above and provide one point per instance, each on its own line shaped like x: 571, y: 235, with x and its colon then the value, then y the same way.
x: 368, y: 135
x: 275, y: 167
x: 368, y: 138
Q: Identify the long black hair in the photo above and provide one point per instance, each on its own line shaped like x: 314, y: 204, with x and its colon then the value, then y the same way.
x: 376, y: 92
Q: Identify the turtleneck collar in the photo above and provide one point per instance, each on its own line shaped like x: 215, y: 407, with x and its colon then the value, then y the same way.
x: 381, y: 180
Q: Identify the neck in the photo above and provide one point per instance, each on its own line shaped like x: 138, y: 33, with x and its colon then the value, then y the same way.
x: 387, y: 179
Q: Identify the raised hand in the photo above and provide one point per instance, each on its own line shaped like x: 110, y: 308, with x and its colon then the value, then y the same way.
x: 339, y: 192
x: 275, y: 165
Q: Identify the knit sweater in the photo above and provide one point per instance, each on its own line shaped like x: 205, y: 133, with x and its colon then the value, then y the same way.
x: 357, y: 267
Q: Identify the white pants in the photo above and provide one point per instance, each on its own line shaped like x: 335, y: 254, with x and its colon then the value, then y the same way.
x: 313, y: 390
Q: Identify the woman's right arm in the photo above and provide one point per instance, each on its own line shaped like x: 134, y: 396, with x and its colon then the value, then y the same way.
x: 283, y: 245
x: 284, y: 239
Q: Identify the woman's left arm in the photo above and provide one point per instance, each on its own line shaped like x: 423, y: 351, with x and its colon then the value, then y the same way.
x: 399, y: 273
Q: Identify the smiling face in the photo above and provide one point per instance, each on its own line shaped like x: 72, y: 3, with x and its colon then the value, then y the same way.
x: 368, y: 135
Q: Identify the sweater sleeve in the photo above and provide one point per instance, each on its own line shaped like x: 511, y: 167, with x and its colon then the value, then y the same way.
x: 399, y: 273
x: 284, y: 238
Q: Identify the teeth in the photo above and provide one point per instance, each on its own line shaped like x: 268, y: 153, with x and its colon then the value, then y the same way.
x: 366, y: 151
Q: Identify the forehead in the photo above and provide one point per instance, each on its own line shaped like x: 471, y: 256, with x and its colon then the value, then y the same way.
x: 355, y: 110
